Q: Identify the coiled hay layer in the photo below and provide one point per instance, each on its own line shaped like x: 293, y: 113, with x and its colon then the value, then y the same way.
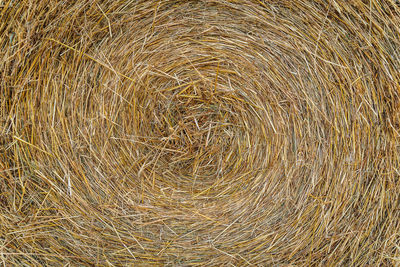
x: 200, y: 133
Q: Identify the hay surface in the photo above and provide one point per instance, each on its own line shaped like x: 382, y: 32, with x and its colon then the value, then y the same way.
x: 199, y: 133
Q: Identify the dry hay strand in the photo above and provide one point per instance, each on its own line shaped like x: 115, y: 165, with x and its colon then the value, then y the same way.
x: 202, y: 133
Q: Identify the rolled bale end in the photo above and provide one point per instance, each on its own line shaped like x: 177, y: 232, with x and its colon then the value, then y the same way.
x: 210, y: 133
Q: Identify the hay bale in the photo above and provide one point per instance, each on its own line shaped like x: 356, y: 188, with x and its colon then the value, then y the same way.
x: 199, y: 133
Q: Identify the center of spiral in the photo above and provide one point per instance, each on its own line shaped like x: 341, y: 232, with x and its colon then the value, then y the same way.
x: 196, y: 131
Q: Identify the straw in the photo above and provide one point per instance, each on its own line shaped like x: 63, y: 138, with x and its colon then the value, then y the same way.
x: 199, y: 133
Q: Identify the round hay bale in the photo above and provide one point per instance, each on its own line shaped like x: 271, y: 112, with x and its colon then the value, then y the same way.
x: 204, y: 133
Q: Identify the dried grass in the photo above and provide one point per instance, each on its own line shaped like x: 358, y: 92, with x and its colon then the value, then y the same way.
x: 200, y: 133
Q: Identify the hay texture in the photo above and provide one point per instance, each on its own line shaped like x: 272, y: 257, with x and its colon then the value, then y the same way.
x: 208, y: 133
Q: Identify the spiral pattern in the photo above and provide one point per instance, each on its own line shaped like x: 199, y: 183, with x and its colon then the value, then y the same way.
x: 202, y: 133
